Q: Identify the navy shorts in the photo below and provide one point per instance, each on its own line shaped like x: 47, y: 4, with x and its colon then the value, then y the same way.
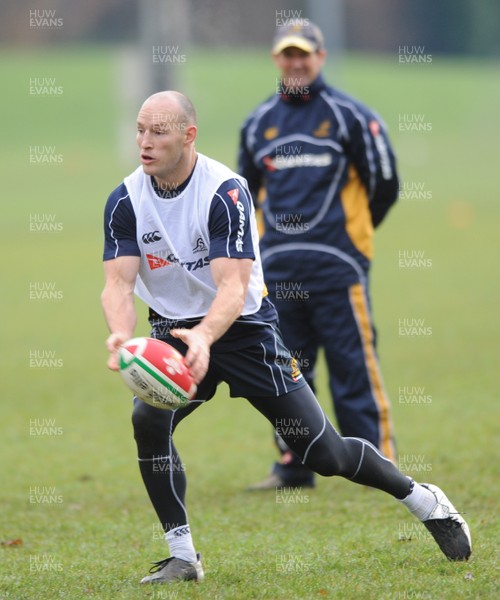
x: 265, y: 368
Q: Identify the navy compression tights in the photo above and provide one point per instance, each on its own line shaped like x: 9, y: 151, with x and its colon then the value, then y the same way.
x: 301, y: 423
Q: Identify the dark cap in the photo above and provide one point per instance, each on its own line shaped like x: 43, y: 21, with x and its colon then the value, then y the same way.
x: 306, y: 36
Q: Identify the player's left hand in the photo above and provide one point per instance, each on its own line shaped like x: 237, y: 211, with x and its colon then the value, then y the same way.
x: 198, y: 354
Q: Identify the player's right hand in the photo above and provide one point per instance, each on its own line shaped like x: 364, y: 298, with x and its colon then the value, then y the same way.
x: 198, y: 354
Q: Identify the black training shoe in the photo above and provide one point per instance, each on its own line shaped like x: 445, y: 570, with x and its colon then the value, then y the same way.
x: 447, y: 527
x: 175, y: 569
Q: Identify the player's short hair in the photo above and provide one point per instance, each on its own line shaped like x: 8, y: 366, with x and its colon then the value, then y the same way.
x: 188, y: 112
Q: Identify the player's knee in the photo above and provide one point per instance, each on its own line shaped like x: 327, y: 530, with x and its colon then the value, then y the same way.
x: 150, y: 427
x: 329, y: 456
x: 324, y: 463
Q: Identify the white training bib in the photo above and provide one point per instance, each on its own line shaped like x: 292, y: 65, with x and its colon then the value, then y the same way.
x: 173, y: 236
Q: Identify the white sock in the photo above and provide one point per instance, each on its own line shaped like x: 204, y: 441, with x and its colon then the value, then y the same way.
x: 420, y: 501
x: 180, y: 543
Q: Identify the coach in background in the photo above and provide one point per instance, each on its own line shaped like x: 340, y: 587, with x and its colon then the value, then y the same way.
x: 322, y: 168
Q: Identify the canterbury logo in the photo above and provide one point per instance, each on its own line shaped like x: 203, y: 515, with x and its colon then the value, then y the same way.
x: 152, y: 236
x: 181, y: 531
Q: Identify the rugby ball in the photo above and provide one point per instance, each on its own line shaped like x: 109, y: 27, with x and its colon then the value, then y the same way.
x: 156, y: 373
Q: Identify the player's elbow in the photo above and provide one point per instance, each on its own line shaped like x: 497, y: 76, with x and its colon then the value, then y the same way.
x: 114, y: 296
x: 239, y: 302
x: 105, y: 297
x: 234, y: 293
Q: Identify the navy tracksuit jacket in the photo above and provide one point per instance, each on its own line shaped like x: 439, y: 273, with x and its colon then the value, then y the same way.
x: 321, y: 168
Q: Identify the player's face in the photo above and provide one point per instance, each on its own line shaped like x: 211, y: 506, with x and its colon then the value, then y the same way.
x: 299, y: 68
x: 163, y: 140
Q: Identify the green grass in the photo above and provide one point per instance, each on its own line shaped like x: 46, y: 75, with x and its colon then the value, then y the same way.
x: 340, y: 540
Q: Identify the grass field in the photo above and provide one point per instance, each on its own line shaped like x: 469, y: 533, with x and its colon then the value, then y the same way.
x: 71, y: 489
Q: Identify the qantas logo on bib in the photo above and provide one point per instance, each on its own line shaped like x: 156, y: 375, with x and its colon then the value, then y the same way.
x: 156, y: 262
x: 234, y: 195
